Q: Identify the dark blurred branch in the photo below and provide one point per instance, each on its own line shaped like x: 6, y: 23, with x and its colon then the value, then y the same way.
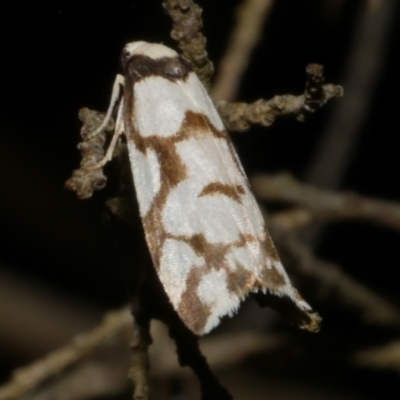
x: 292, y: 219
x: 97, y: 376
x: 324, y: 204
x: 250, y: 21
x: 366, y: 56
x: 331, y: 283
x: 98, y: 361
x: 27, y: 378
x: 217, y: 349
x: 140, y: 364
x: 386, y: 357
x: 25, y: 302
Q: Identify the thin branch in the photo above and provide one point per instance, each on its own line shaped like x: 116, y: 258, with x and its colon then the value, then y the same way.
x: 326, y: 205
x: 186, y: 30
x: 250, y: 20
x: 240, y: 116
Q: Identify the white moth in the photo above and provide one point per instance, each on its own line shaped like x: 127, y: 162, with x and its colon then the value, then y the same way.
x: 203, y: 227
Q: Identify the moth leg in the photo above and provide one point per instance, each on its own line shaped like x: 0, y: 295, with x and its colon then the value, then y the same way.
x: 119, y: 81
x: 119, y: 129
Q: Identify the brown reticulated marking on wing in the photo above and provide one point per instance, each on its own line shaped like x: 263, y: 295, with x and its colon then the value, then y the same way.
x: 139, y: 67
x: 241, y: 281
x: 191, y: 309
x: 232, y: 191
x: 213, y: 253
x: 172, y: 171
x: 271, y: 278
x: 197, y: 125
x: 270, y: 248
x: 203, y: 125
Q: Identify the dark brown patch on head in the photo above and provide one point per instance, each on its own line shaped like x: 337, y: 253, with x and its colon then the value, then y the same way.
x: 191, y: 309
x: 138, y: 67
x: 232, y: 191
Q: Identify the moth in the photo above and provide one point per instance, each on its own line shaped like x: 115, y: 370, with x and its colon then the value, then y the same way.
x: 203, y: 227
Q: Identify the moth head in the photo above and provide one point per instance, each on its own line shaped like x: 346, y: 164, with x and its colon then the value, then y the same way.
x: 143, y: 59
x: 151, y: 50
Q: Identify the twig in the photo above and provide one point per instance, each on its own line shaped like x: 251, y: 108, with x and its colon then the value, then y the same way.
x: 186, y: 30
x: 30, y: 377
x: 153, y: 303
x: 84, y: 181
x: 104, y: 373
x: 332, y: 283
x: 240, y: 116
x: 327, y: 205
x: 217, y: 349
x: 250, y: 20
x: 139, y: 344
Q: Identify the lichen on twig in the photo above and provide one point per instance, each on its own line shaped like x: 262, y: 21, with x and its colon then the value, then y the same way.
x: 186, y: 30
x: 85, y: 180
x: 239, y: 117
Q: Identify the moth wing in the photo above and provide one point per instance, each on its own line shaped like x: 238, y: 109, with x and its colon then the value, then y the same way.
x: 203, y: 226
